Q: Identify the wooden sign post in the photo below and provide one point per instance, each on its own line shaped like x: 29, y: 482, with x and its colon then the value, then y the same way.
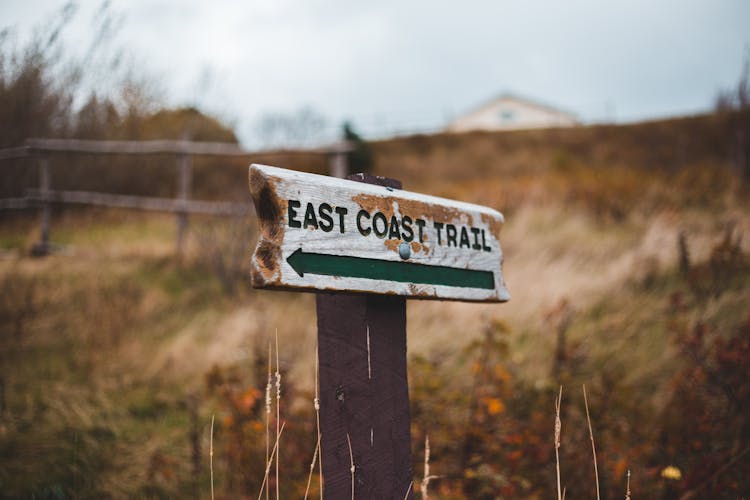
x: 365, y: 247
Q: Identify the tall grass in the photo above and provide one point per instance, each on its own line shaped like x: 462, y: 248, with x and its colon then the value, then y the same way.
x: 271, y: 461
x: 591, y: 435
x: 558, y: 431
x: 211, y: 456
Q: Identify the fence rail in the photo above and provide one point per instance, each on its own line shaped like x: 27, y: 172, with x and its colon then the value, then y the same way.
x: 173, y: 205
x: 15, y: 204
x: 181, y: 205
x: 33, y: 147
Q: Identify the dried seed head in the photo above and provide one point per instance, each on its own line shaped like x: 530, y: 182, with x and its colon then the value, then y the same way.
x: 268, y: 394
x: 627, y: 490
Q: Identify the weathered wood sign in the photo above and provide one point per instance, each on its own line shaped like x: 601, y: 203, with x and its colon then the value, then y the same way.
x: 365, y: 234
x: 320, y: 233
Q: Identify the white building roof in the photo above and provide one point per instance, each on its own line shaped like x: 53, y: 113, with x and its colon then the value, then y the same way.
x: 512, y: 112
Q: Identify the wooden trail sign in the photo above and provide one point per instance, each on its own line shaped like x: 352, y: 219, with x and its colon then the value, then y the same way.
x: 335, y: 237
x: 320, y: 233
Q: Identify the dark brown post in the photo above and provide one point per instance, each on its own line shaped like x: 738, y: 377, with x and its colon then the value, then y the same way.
x: 184, y: 184
x: 42, y: 247
x: 364, y: 394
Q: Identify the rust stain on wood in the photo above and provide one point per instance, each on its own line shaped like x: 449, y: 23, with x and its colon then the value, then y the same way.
x: 392, y: 245
x: 267, y: 258
x: 373, y: 204
x: 269, y: 208
x: 413, y: 208
x: 417, y: 247
x: 267, y: 204
x: 494, y: 224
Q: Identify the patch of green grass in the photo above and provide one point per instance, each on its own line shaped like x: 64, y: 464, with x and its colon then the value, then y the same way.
x: 111, y: 228
x: 145, y: 403
x: 77, y: 401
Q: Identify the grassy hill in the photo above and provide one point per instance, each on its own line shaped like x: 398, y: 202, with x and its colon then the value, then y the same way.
x: 115, y: 355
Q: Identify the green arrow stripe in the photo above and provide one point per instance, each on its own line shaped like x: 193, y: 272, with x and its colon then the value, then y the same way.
x: 403, y: 272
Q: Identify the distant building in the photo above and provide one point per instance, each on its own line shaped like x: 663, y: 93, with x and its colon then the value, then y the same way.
x: 511, y: 112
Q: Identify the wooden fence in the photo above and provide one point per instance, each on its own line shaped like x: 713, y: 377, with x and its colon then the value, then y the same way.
x: 44, y: 196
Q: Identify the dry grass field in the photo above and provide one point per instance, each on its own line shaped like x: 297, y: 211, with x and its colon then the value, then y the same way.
x: 115, y: 355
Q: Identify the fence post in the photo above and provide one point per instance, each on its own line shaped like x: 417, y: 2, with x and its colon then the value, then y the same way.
x: 184, y: 184
x: 42, y: 247
x: 337, y: 163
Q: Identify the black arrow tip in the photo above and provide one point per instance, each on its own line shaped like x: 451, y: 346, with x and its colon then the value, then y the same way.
x: 295, y: 260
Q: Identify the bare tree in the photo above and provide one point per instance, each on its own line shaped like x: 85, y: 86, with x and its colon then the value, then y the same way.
x: 48, y: 91
x: 735, y: 103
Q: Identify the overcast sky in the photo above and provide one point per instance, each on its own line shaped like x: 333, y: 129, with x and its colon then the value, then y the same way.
x: 412, y: 64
